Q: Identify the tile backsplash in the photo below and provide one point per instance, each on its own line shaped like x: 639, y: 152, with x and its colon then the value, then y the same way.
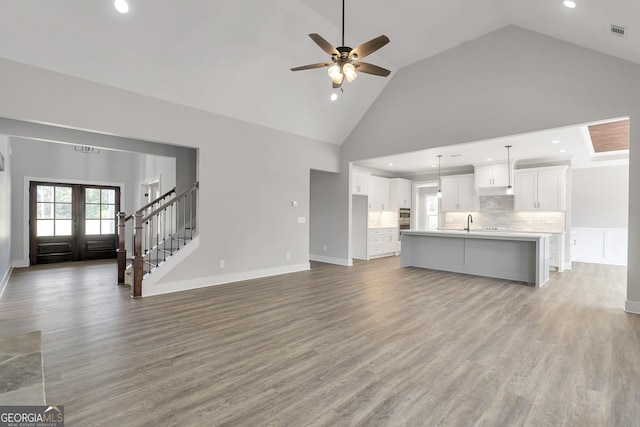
x: 496, y: 212
x: 378, y: 219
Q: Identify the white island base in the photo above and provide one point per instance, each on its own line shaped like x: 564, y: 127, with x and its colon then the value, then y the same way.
x: 522, y: 257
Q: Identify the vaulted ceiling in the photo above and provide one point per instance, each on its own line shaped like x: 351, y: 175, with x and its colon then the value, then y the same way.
x: 233, y: 57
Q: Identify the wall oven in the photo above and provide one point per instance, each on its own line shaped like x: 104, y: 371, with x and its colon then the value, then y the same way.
x: 404, y: 220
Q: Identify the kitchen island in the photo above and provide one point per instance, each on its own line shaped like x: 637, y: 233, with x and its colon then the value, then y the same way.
x: 522, y: 257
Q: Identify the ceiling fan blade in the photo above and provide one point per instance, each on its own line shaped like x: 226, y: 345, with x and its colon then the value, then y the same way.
x: 311, y: 66
x: 369, y: 47
x: 365, y: 67
x: 324, y: 45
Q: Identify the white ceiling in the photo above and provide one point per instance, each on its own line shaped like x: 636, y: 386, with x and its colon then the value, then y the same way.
x: 555, y: 145
x: 233, y: 58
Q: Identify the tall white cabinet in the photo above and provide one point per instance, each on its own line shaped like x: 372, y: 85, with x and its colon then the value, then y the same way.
x: 360, y: 183
x: 399, y: 194
x: 384, y: 197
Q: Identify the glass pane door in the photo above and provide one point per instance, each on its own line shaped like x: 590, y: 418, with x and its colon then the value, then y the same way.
x: 72, y: 222
x: 100, y: 211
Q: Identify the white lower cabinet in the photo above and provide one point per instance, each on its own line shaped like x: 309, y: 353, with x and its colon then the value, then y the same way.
x: 383, y: 242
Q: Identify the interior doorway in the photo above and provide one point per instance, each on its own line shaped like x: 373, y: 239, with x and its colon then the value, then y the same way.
x: 149, y: 191
x: 72, y: 222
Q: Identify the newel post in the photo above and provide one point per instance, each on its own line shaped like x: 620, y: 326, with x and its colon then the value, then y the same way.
x: 136, y: 289
x: 121, y: 252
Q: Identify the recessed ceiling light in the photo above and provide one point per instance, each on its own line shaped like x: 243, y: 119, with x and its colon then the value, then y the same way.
x: 489, y: 159
x: 555, y: 141
x: 562, y: 151
x: 434, y: 166
x: 121, y: 6
x: 334, y: 96
x: 570, y: 4
x: 389, y: 164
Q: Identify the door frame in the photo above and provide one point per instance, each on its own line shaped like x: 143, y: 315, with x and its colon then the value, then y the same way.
x: 25, y: 262
x: 147, y: 183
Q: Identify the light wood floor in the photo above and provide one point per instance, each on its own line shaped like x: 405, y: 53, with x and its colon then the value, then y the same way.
x: 371, y: 345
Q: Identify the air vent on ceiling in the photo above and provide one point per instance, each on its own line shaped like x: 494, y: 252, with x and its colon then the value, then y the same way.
x: 618, y: 30
x: 455, y: 155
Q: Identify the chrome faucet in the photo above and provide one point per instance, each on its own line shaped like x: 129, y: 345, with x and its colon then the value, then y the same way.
x: 469, y: 220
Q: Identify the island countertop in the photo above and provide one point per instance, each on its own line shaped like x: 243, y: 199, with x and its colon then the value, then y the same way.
x: 480, y: 234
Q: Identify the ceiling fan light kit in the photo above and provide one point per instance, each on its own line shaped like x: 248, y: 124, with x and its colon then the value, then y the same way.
x: 345, y: 61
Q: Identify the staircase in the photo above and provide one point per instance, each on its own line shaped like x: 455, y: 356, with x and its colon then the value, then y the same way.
x: 159, y: 230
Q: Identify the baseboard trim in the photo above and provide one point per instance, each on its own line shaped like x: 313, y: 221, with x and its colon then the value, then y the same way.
x: 21, y: 264
x: 347, y: 262
x: 5, y: 281
x: 632, y: 307
x: 204, y: 282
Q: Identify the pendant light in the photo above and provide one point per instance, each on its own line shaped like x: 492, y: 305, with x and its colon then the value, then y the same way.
x: 509, y: 188
x: 439, y: 189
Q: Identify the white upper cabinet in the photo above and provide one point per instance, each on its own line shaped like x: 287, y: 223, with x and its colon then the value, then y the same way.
x: 399, y: 193
x: 458, y: 194
x: 360, y: 183
x: 492, y: 175
x: 540, y: 189
x: 379, y: 193
x: 468, y: 199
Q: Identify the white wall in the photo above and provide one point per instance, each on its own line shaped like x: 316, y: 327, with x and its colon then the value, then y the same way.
x: 600, y: 197
x: 5, y: 212
x: 248, y: 174
x: 508, y: 82
x: 600, y: 214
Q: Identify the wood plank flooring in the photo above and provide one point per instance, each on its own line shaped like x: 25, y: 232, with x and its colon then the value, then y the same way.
x: 370, y: 345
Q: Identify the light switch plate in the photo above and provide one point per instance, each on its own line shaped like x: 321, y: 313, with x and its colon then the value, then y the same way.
x: 302, y: 220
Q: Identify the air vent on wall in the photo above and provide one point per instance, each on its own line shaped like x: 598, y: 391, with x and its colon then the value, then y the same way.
x: 618, y: 30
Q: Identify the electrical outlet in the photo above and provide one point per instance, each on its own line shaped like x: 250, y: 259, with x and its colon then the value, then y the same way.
x: 324, y: 248
x: 223, y: 264
x: 302, y: 219
x: 288, y: 255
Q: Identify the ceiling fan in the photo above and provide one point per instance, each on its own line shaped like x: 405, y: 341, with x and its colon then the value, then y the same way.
x: 345, y: 61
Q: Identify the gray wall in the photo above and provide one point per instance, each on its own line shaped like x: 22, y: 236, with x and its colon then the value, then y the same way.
x: 322, y: 214
x: 186, y: 158
x: 52, y: 161
x: 248, y: 174
x: 5, y: 211
x: 600, y: 197
x: 508, y: 82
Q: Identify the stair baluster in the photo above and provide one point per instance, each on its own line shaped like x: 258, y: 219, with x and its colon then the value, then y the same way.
x: 163, y: 220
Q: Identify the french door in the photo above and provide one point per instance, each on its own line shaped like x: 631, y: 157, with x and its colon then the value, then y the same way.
x: 72, y: 222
